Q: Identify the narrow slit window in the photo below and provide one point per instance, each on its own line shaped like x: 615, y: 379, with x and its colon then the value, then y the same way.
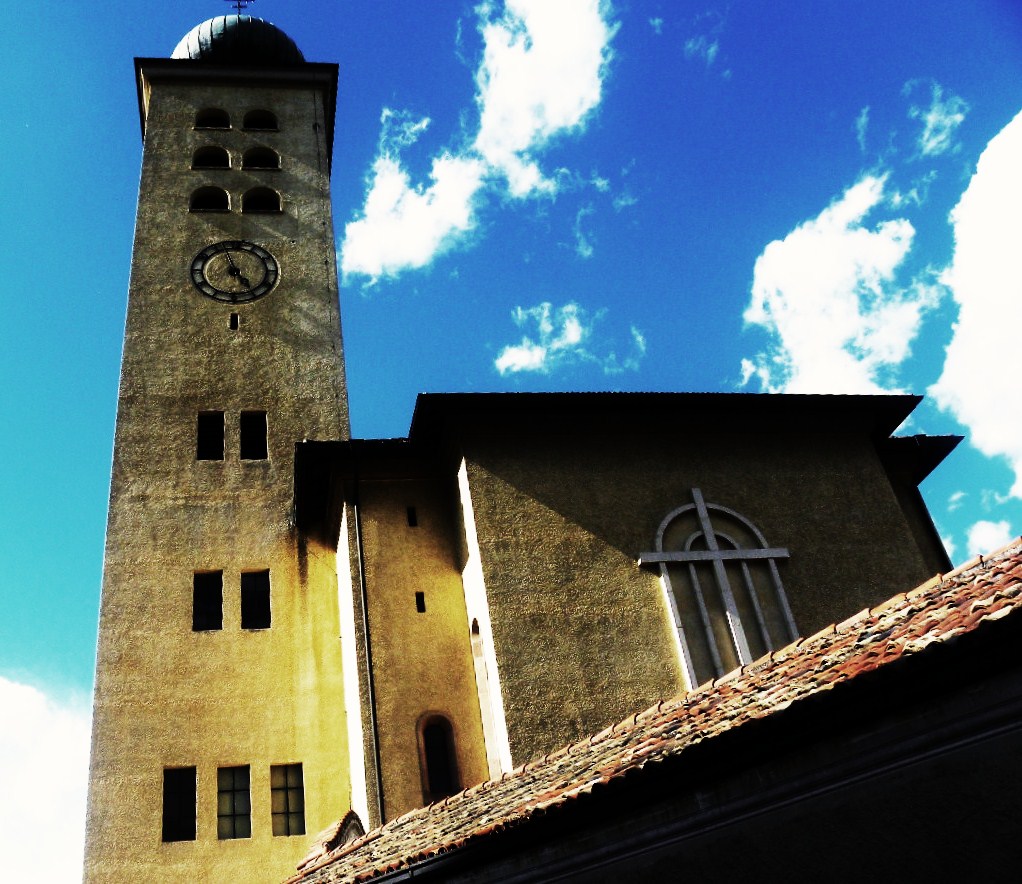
x: 255, y: 600
x: 420, y: 602
x: 253, y: 435
x: 179, y: 804
x: 413, y: 517
x: 207, y: 601
x: 235, y: 321
x: 233, y: 803
x: 210, y: 436
x: 287, y: 799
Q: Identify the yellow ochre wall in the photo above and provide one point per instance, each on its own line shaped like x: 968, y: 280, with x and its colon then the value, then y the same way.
x: 167, y: 696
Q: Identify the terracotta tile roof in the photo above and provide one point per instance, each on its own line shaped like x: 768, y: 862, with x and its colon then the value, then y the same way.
x: 946, y: 606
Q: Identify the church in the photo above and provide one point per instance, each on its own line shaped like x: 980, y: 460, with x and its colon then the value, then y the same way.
x: 568, y: 636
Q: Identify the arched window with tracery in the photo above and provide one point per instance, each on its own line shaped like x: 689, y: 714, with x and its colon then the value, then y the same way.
x: 209, y: 199
x: 260, y: 199
x: 211, y: 157
x: 438, y: 760
x: 723, y: 586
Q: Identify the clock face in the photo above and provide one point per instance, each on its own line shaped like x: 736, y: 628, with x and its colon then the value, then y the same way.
x: 234, y: 271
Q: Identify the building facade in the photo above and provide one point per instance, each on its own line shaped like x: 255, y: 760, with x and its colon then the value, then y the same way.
x: 299, y: 628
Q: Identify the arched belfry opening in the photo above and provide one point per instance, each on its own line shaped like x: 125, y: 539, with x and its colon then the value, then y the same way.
x: 723, y: 587
x: 438, y: 760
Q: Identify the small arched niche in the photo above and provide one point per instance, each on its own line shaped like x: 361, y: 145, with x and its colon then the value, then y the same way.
x: 209, y: 199
x: 438, y: 760
x: 260, y: 120
x: 212, y: 118
x: 260, y: 158
x: 211, y: 157
x: 260, y: 199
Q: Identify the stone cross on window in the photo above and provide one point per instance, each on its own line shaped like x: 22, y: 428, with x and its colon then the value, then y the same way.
x: 723, y: 587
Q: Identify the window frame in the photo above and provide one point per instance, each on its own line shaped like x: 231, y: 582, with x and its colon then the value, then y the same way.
x: 290, y: 819
x: 233, y: 789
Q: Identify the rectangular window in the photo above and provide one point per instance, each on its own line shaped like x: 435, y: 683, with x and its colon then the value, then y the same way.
x: 179, y: 804
x: 420, y: 602
x: 235, y: 321
x: 210, y: 436
x: 207, y: 600
x: 253, y: 435
x: 255, y: 600
x: 233, y: 803
x: 413, y: 517
x: 287, y: 799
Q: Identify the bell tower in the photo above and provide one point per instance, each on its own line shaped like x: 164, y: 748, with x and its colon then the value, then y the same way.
x: 219, y: 742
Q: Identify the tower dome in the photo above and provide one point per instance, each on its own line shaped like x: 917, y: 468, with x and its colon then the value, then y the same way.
x: 238, y: 39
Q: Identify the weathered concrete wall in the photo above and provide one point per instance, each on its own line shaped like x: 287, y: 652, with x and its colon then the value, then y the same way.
x: 582, y: 634
x: 165, y: 695
x: 422, y: 660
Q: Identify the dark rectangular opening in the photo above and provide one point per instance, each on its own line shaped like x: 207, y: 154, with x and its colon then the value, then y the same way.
x: 235, y: 321
x: 207, y: 600
x: 413, y: 517
x: 179, y: 804
x: 210, y: 436
x: 255, y: 600
x: 233, y: 803
x: 420, y: 602
x: 287, y: 799
x: 253, y: 435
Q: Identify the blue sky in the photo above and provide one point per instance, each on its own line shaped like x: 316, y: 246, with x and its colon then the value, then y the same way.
x: 557, y: 195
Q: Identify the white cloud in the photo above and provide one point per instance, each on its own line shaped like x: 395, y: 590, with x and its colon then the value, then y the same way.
x: 560, y: 336
x: 828, y: 296
x: 954, y: 502
x: 583, y: 240
x: 861, y: 125
x: 979, y: 381
x: 703, y: 48
x: 623, y: 201
x: 657, y: 24
x: 940, y: 120
x: 985, y: 537
x: 540, y: 77
x: 44, y: 768
x: 949, y: 547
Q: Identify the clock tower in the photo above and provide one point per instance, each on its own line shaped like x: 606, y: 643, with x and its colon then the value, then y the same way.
x: 219, y: 737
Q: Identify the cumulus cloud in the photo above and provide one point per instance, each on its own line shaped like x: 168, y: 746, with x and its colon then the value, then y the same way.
x: 540, y: 77
x: 558, y: 336
x: 828, y: 296
x: 979, y: 380
x: 940, y: 119
x: 984, y: 537
x: 44, y: 766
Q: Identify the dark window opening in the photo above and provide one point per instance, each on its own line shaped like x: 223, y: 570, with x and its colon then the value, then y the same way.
x: 260, y: 199
x: 210, y: 436
x: 179, y: 804
x: 233, y: 803
x: 253, y: 435
x: 235, y: 321
x: 255, y: 600
x: 420, y: 602
x: 413, y: 517
x: 260, y: 119
x: 440, y: 765
x: 211, y: 158
x: 287, y: 799
x: 207, y: 600
x: 212, y: 118
x: 209, y: 199
x: 260, y: 158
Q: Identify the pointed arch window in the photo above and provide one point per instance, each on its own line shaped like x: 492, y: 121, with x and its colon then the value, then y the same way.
x: 211, y: 157
x: 260, y: 158
x: 260, y: 199
x: 212, y: 118
x: 261, y: 120
x: 723, y: 587
x: 437, y: 759
x: 209, y: 199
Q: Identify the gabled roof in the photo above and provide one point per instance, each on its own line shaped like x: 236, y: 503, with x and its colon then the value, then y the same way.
x: 935, y: 613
